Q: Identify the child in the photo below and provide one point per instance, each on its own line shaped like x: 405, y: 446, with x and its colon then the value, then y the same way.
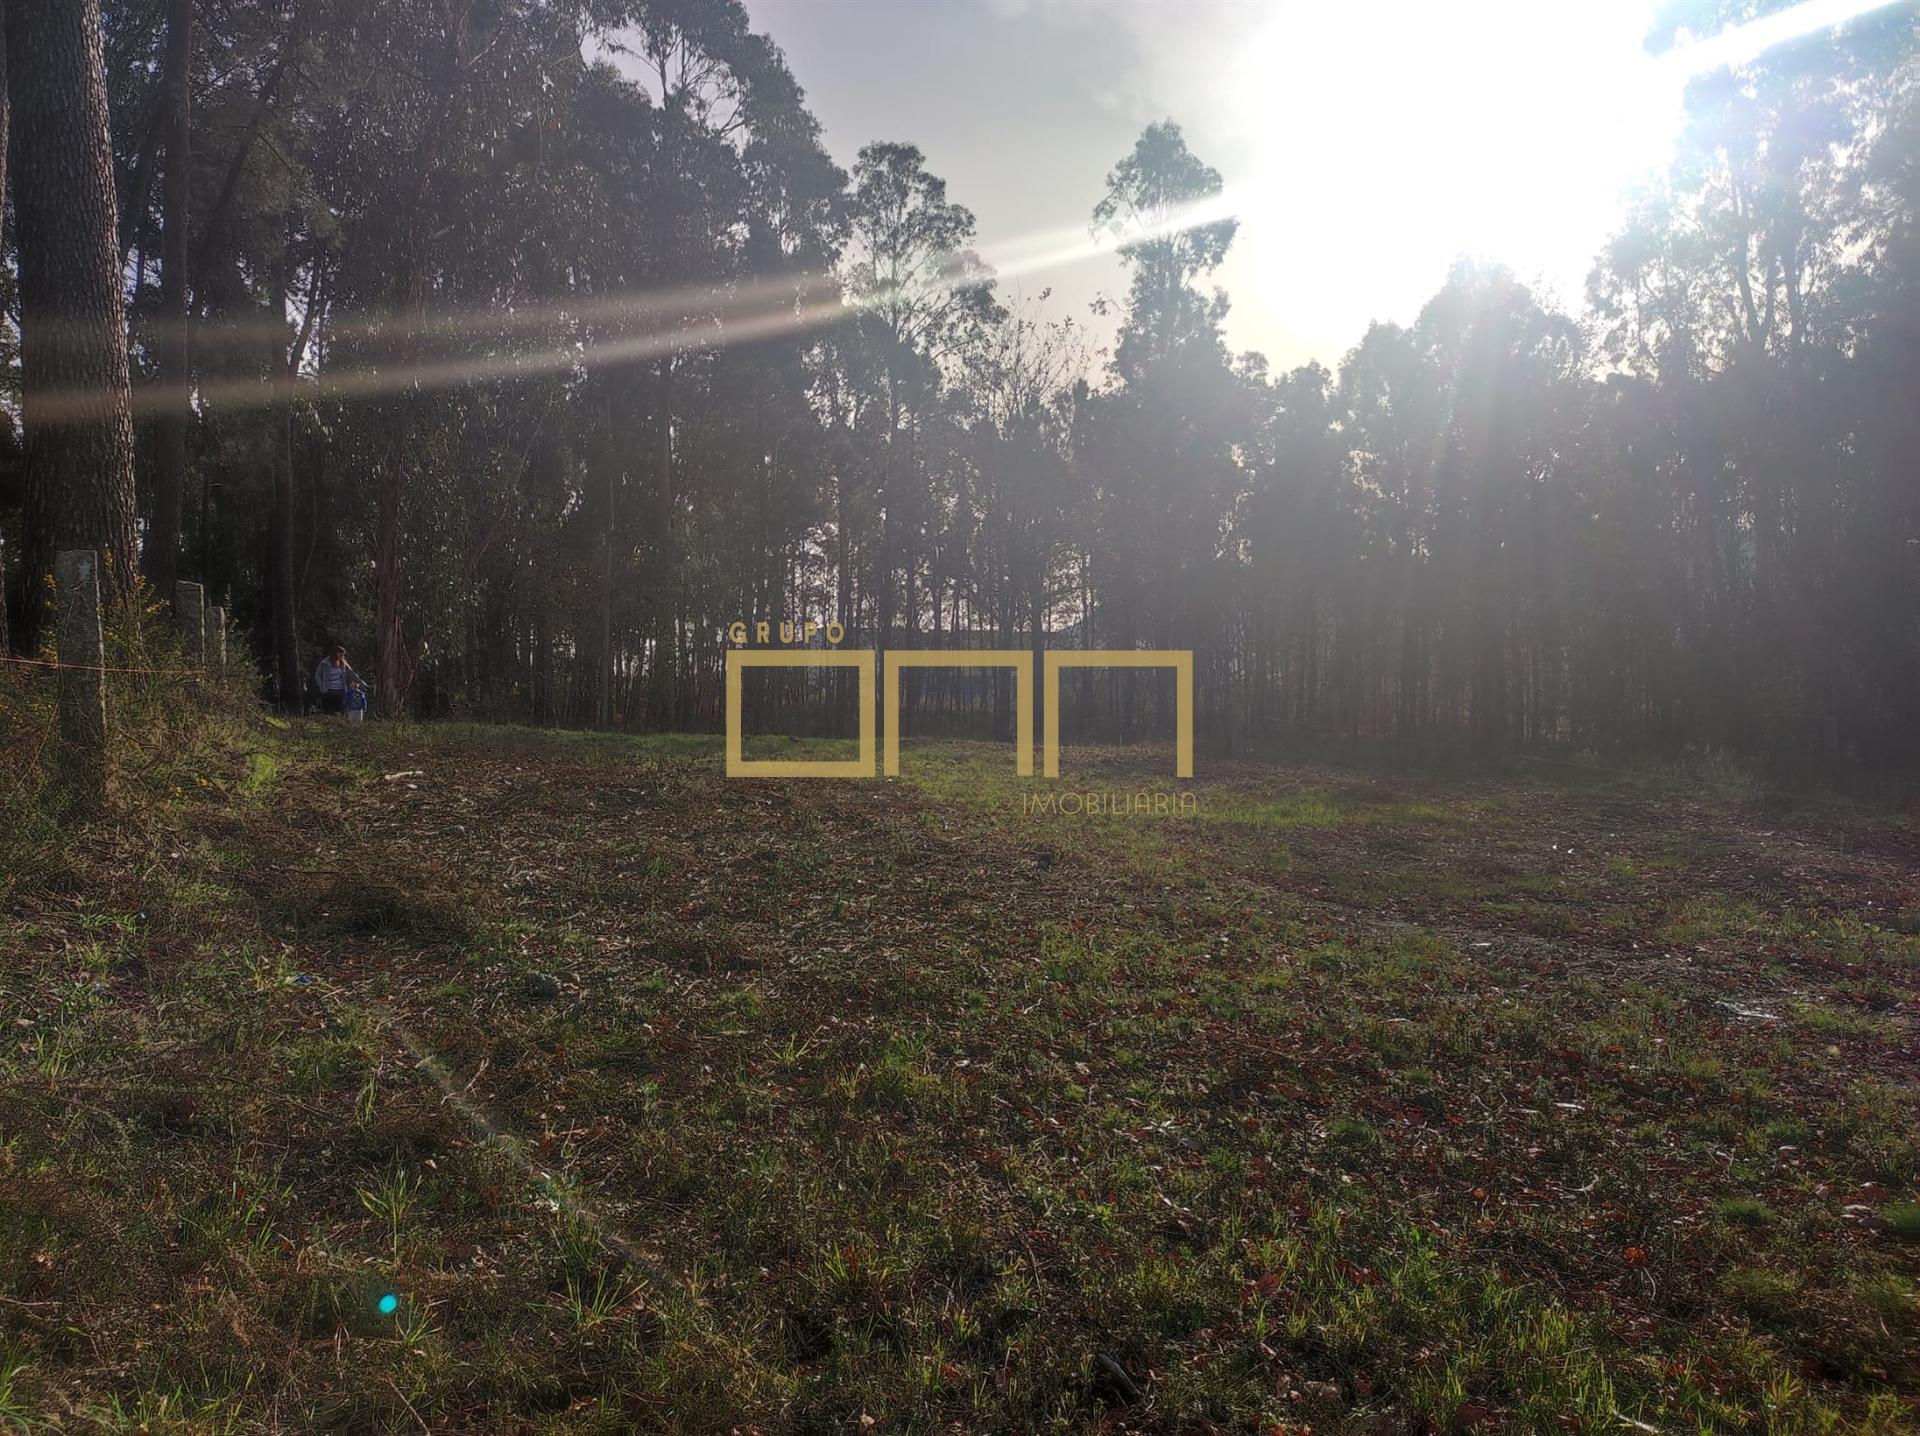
x: 357, y: 702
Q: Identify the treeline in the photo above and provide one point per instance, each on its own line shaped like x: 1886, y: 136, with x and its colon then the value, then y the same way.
x: 527, y: 344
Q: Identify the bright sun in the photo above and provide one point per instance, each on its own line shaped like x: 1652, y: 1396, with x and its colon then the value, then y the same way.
x: 1387, y: 139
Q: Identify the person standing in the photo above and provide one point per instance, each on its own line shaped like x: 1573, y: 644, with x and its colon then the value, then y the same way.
x: 333, y: 677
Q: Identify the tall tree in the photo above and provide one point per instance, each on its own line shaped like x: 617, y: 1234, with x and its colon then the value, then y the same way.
x: 1020, y: 378
x: 5, y: 121
x: 75, y: 403
x: 920, y: 293
x: 175, y: 401
x: 1167, y: 427
x: 445, y: 46
x: 540, y: 358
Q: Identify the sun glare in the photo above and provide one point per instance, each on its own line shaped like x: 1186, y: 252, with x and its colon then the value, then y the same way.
x: 1388, y: 139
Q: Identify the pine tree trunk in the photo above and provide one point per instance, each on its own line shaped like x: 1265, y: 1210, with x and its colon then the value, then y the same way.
x: 388, y: 637
x: 665, y: 634
x: 77, y: 409
x: 843, y: 587
x: 410, y: 294
x: 286, y: 645
x: 5, y: 113
x: 170, y: 428
x: 389, y: 655
x: 1037, y: 606
x: 603, y: 686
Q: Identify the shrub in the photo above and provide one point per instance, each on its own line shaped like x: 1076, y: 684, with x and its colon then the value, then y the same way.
x: 166, y: 731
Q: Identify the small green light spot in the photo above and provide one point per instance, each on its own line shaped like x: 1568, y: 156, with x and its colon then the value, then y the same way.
x: 389, y: 1304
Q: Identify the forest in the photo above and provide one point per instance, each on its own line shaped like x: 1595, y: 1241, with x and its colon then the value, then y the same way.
x: 522, y: 346
x: 1509, y: 1025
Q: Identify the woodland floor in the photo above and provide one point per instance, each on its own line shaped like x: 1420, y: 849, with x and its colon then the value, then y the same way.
x: 1367, y: 1103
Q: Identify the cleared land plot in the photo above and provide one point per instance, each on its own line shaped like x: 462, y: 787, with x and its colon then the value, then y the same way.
x: 656, y: 1100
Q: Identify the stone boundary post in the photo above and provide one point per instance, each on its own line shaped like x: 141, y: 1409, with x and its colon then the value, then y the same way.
x: 190, y: 617
x: 83, y: 689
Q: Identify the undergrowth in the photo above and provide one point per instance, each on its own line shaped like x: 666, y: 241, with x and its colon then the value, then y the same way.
x: 389, y: 1077
x: 164, y: 729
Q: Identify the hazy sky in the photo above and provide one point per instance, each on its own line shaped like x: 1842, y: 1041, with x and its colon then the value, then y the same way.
x: 1366, y: 143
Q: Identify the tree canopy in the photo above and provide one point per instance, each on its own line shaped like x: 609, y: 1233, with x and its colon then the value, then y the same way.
x: 526, y: 344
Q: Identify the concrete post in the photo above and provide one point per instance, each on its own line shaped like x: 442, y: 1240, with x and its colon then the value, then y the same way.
x: 190, y: 617
x: 217, y: 640
x: 83, y: 690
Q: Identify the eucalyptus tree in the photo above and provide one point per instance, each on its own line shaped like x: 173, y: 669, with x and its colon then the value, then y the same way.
x: 1298, y: 524
x: 1743, y: 289
x: 920, y: 295
x: 1164, y: 434
x: 1020, y: 378
x: 1509, y: 381
x: 536, y: 340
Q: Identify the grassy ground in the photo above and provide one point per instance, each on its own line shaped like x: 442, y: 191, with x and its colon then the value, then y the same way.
x: 660, y: 1101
